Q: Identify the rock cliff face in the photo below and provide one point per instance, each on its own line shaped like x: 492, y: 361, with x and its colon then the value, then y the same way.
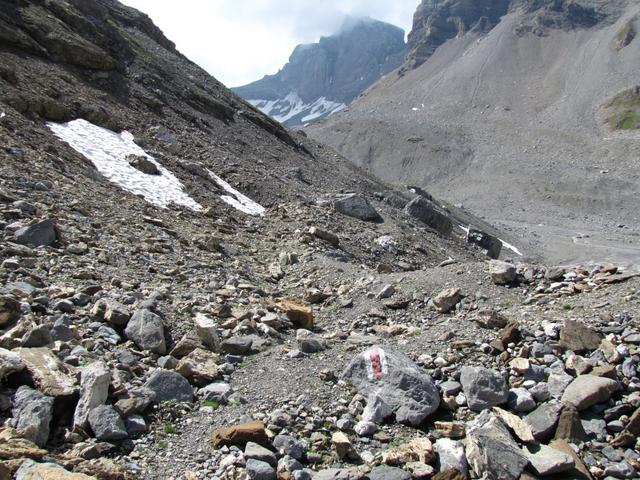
x: 324, y: 77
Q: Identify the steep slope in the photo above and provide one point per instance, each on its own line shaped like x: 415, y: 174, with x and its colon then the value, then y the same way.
x: 514, y: 122
x: 322, y: 78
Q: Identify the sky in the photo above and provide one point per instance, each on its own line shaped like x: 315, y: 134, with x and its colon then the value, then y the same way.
x: 239, y: 41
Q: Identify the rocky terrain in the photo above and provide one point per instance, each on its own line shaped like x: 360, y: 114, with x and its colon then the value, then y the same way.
x: 190, y: 291
x: 322, y: 78
x: 522, y: 111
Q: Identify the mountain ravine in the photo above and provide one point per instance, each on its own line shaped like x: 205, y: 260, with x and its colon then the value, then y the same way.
x: 188, y: 290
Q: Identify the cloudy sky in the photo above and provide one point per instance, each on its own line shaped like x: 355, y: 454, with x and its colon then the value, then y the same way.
x: 239, y: 41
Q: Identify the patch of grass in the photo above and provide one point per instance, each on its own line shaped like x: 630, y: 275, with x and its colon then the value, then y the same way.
x: 625, y: 110
x: 212, y: 404
x: 162, y: 443
x: 169, y: 428
x: 568, y: 307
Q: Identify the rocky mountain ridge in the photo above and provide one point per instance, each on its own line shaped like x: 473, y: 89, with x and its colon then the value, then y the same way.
x: 190, y: 291
x: 322, y: 78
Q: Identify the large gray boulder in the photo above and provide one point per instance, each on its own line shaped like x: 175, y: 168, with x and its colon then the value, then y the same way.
x: 106, y: 423
x: 427, y: 212
x: 491, y: 451
x: 356, y: 206
x: 393, y: 385
x: 483, y: 388
x: 169, y: 386
x: 32, y: 414
x: 10, y: 362
x: 37, y: 235
x: 94, y: 391
x: 145, y: 328
x: 587, y: 390
x: 491, y: 245
x: 544, y: 419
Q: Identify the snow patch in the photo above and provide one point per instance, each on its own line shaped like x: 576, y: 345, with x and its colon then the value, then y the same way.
x: 2, y: 114
x: 236, y: 199
x: 292, y: 105
x: 504, y: 244
x: 108, y: 150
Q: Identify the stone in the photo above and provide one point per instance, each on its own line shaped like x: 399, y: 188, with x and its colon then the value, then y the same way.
x: 339, y: 474
x: 12, y: 446
x: 240, y: 434
x: 94, y: 391
x: 558, y: 381
x: 521, y: 400
x: 627, y: 438
x: 356, y: 206
x: 216, y: 392
x: 515, y: 423
x: 41, y: 234
x: 308, y: 342
x: 502, y: 273
x: 32, y: 414
x: 449, y: 475
x: 31, y: 470
x: 137, y: 402
x: 238, y: 345
x: 206, y: 331
x: 344, y: 447
x: 544, y: 419
x: 417, y: 450
x: 451, y: 456
x: 446, y: 300
x: 10, y: 362
x: 257, y: 452
x: 483, y: 388
x: 491, y: 451
x: 419, y: 470
x: 9, y: 310
x: 620, y: 470
x: 384, y: 472
x: 143, y: 164
x: 299, y: 313
x: 428, y: 212
x: 397, y: 384
x: 453, y: 430
x: 135, y: 425
x: 329, y: 237
x: 103, y: 468
x: 200, y: 367
x: 547, y: 460
x: 587, y: 390
x: 187, y: 344
x: 106, y: 423
x: 491, y: 245
x: 288, y: 445
x: 146, y: 330
x: 48, y: 373
x: 580, y: 471
x: 510, y: 333
x: 579, y: 338
x: 569, y: 426
x: 116, y: 313
x: 168, y: 362
x: 259, y: 470
x: 169, y: 386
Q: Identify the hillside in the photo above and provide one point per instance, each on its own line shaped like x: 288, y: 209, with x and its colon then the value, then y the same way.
x: 188, y: 290
x: 323, y: 78
x: 512, y: 117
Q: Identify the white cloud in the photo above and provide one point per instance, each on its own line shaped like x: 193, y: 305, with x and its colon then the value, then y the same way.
x: 239, y: 41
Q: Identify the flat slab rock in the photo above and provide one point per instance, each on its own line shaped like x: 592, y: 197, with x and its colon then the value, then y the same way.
x: 587, y: 390
x: 49, y: 374
x: 548, y: 461
x: 240, y: 434
x: 483, y: 388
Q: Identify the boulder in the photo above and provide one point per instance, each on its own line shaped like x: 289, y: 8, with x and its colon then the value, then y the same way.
x: 544, y: 419
x: 579, y: 338
x: 491, y: 451
x: 384, y: 472
x: 169, y: 386
x: 31, y: 470
x: 570, y: 426
x: 143, y: 164
x: 390, y: 379
x: 94, y: 391
x: 199, y: 367
x: 299, y: 313
x: 116, y: 314
x: 48, y: 373
x: 417, y: 450
x: 216, y: 392
x: 587, y: 390
x: 257, y: 452
x: 447, y: 300
x: 146, y: 330
x: 309, y: 342
x: 32, y: 414
x: 9, y: 310
x: 356, y: 206
x: 344, y: 448
x: 238, y: 345
x: 502, y: 273
x: 259, y: 470
x: 429, y: 213
x: 547, y: 460
x: 12, y: 446
x: 483, y: 388
x: 491, y: 245
x: 40, y: 234
x: 329, y: 237
x: 10, y: 362
x: 240, y: 435
x: 206, y: 331
x: 515, y: 423
x: 451, y: 456
x: 106, y: 423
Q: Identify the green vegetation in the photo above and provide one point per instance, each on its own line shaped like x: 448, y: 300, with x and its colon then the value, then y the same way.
x: 625, y: 110
x: 212, y: 404
x: 169, y: 428
x: 568, y: 307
